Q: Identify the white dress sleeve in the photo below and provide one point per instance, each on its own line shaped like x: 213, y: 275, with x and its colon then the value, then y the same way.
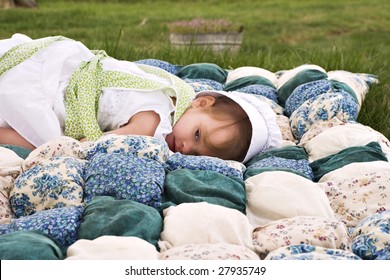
x: 117, y: 106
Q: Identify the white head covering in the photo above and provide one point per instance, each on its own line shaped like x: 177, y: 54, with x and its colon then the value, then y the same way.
x: 266, y: 133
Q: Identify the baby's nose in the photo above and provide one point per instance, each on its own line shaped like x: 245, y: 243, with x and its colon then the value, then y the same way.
x: 184, y: 148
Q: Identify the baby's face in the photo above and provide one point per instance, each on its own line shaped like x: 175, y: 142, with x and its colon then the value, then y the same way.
x: 194, y: 132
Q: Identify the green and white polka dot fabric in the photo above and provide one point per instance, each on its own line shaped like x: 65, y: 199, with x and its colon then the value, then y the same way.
x: 81, y: 100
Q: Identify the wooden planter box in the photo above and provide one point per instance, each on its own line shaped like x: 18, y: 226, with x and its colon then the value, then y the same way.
x: 217, y: 42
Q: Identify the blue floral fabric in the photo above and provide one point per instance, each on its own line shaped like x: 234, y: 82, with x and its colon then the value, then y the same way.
x: 60, y: 224
x: 384, y: 255
x: 312, y: 89
x: 224, y: 167
x: 54, y: 183
x: 125, y: 176
x: 169, y: 67
x: 323, y: 108
x: 263, y: 90
x: 305, y: 92
x: 206, y: 82
x: 310, y: 252
x: 198, y: 86
x: 300, y: 167
x: 140, y: 146
x: 371, y: 237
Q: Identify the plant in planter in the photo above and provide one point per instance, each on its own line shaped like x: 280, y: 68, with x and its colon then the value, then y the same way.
x: 216, y: 34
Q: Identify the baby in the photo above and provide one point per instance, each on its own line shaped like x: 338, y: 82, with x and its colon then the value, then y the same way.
x: 56, y: 86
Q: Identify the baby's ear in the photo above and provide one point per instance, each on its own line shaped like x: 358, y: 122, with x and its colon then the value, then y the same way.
x: 203, y: 101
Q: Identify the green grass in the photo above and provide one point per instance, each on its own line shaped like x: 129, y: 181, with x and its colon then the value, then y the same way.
x: 351, y: 35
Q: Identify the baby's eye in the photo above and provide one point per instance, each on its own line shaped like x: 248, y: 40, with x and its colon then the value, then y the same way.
x: 197, y: 135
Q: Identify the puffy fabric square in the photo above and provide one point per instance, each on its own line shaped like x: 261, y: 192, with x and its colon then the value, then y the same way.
x: 300, y: 167
x: 359, y: 190
x: 112, y: 248
x: 185, y: 186
x: 298, y: 230
x: 323, y: 108
x: 294, y: 194
x: 371, y: 236
x: 145, y: 147
x: 199, y: 223
x: 125, y: 176
x: 60, y: 224
x: 29, y: 245
x: 53, y: 183
x: 334, y: 139
x: 310, y: 252
x: 305, y: 92
x: 169, y: 67
x: 203, y: 71
x: 218, y: 251
x: 106, y: 215
x: 225, y: 167
x: 60, y: 147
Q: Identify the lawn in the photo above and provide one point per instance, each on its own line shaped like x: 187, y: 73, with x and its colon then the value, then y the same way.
x: 279, y: 34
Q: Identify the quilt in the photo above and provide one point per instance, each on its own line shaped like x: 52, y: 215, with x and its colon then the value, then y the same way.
x: 324, y: 194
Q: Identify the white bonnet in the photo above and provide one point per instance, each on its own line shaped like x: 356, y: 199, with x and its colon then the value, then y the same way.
x: 266, y: 133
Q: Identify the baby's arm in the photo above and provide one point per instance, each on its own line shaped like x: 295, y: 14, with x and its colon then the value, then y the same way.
x: 11, y: 137
x: 142, y: 123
